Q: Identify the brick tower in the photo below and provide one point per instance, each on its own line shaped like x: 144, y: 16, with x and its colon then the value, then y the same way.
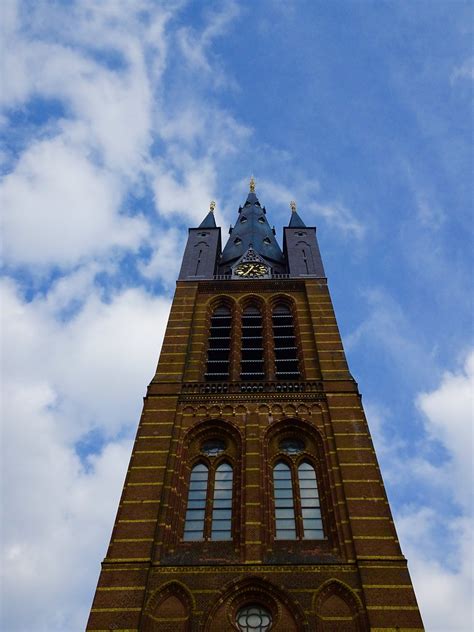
x: 253, y: 500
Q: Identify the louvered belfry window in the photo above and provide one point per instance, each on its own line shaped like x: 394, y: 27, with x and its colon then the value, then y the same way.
x: 252, y: 363
x: 286, y: 351
x: 218, y: 353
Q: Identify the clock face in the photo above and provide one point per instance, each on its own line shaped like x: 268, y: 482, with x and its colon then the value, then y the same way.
x: 251, y: 269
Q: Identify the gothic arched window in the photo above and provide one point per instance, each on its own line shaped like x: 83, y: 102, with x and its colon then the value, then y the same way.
x: 221, y: 528
x: 285, y: 524
x: 218, y: 351
x: 252, y: 363
x: 286, y: 351
x: 197, y: 500
x: 297, y: 504
x: 209, y: 507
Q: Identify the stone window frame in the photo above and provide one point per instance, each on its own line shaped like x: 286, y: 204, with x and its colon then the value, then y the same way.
x: 212, y: 464
x: 208, y: 430
x: 314, y: 455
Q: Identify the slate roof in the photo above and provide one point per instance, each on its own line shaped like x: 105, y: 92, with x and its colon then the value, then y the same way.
x: 209, y: 221
x: 252, y: 229
x: 296, y: 221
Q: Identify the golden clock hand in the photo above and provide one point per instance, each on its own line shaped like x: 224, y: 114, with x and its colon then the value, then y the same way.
x: 251, y: 267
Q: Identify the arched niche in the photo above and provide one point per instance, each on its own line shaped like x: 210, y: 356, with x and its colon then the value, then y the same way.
x: 168, y: 608
x: 286, y: 615
x: 338, y: 609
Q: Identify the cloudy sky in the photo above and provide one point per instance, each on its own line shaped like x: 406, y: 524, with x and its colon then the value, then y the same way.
x: 121, y: 120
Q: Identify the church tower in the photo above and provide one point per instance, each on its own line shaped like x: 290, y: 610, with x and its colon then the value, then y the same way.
x: 253, y: 500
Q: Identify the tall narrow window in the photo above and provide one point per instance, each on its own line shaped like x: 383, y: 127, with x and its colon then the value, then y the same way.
x: 196, y: 508
x: 284, y: 503
x: 310, y: 507
x: 222, y: 504
x: 286, y: 351
x: 297, y: 506
x: 252, y: 365
x: 218, y: 352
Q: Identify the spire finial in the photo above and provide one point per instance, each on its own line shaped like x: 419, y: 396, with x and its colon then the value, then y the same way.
x: 252, y: 184
x: 212, y: 206
x: 293, y: 206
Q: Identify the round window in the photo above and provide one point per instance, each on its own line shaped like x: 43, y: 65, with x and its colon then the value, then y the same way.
x: 292, y: 446
x: 254, y: 618
x: 213, y: 447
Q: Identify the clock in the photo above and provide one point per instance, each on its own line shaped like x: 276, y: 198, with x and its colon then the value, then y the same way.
x: 251, y: 269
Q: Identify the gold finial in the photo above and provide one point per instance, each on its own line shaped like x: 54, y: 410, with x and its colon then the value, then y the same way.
x: 293, y: 206
x: 252, y: 185
x: 212, y: 206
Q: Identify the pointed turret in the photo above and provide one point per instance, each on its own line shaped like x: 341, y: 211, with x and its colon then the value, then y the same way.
x: 252, y: 230
x: 202, y: 249
x: 295, y: 219
x: 300, y: 247
x: 209, y: 221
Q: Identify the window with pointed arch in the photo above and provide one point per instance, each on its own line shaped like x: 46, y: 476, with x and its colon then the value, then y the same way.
x: 209, y: 506
x: 285, y: 346
x: 218, y: 351
x: 296, y: 495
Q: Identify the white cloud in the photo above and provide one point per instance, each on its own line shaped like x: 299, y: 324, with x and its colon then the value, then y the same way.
x: 442, y: 579
x: 59, y: 515
x: 97, y: 363
x: 64, y: 378
x: 449, y: 416
x: 437, y: 542
x: 188, y: 195
x: 164, y: 264
x: 305, y: 192
x: 59, y: 208
x: 114, y: 105
x: 339, y: 216
x: 195, y: 45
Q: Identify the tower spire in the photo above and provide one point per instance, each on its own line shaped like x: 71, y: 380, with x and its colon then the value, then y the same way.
x: 252, y: 230
x: 295, y: 219
x: 209, y: 221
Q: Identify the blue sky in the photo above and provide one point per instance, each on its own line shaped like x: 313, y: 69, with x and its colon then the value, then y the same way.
x: 120, y: 122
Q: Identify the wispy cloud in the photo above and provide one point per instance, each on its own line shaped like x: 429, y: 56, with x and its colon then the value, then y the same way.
x: 437, y: 542
x: 463, y: 71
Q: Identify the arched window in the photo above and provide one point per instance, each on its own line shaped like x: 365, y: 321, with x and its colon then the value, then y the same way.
x: 252, y: 364
x: 218, y: 352
x: 285, y: 525
x: 310, y: 505
x: 222, y: 504
x: 209, y: 508
x: 297, y: 505
x: 196, y: 509
x: 286, y: 351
